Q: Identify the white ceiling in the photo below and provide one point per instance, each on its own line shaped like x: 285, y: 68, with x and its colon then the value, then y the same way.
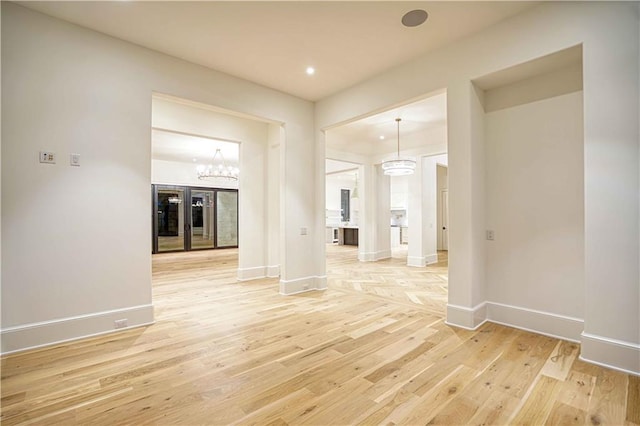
x: 337, y: 166
x: 170, y: 146
x: 418, y: 119
x: 272, y: 43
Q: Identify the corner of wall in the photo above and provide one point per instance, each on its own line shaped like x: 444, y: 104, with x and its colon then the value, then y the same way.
x: 467, y: 318
x: 611, y: 353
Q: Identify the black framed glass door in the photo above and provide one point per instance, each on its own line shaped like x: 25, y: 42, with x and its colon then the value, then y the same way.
x: 202, y: 219
x: 169, y: 219
x: 192, y: 218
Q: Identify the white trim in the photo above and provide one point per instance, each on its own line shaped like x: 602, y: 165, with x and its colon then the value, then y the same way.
x: 374, y: 256
x: 431, y: 258
x: 466, y: 328
x: 611, y: 353
x: 246, y: 274
x: 301, y: 285
x: 35, y: 335
x: 603, y: 351
x: 467, y: 318
x: 421, y: 261
x: 546, y: 323
x: 273, y: 271
x: 321, y: 282
x: 416, y: 261
x: 530, y: 330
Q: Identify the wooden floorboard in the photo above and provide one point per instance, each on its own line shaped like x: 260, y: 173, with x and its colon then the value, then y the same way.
x: 372, y: 349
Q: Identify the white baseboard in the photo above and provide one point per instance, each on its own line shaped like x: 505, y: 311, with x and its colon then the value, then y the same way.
x: 301, y: 285
x: 416, y: 261
x: 374, y: 256
x: 46, y: 333
x: 273, y: 271
x: 246, y: 274
x: 467, y: 318
x: 421, y: 261
x: 549, y: 324
x: 616, y: 354
x: 606, y: 352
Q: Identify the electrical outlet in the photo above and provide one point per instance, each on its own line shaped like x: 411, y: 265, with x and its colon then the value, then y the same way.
x: 47, y: 157
x: 74, y: 160
x: 490, y: 235
x: 121, y: 323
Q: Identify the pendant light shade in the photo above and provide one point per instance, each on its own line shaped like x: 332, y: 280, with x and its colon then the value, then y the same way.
x: 399, y: 166
x: 354, y: 193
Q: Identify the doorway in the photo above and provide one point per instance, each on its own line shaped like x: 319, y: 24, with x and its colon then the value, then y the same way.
x: 192, y: 218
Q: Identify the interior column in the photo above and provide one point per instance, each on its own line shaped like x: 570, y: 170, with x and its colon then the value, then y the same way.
x: 465, y: 121
x: 374, y: 240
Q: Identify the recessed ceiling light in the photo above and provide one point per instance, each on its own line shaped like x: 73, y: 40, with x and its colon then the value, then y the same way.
x: 195, y: 159
x: 311, y: 70
x: 381, y: 137
x: 414, y: 18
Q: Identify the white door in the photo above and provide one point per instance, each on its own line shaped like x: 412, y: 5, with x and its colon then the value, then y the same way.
x: 444, y: 205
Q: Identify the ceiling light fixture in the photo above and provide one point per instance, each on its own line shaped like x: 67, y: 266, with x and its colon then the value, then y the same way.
x: 311, y: 70
x: 381, y: 137
x: 354, y: 193
x: 414, y: 18
x: 218, y: 168
x: 399, y: 166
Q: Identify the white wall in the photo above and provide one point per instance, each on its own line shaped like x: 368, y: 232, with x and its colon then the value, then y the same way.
x: 0, y: 173
x: 276, y: 180
x: 608, y: 33
x: 69, y: 89
x: 535, y: 206
x: 399, y: 192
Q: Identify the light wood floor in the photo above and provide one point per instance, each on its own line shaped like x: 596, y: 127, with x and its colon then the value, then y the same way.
x: 390, y: 279
x: 223, y: 352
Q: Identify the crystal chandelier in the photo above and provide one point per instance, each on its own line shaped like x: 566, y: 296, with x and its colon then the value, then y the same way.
x: 218, y: 168
x: 399, y: 166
